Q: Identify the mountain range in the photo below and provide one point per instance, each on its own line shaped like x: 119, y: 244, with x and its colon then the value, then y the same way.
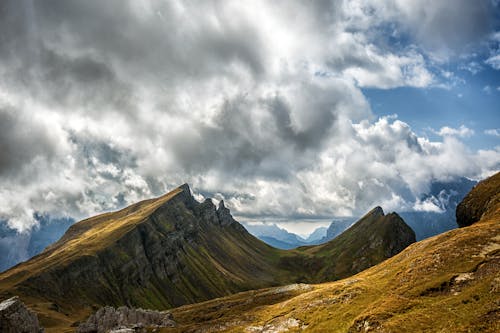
x: 446, y: 283
x: 20, y: 246
x: 444, y: 196
x: 172, y: 250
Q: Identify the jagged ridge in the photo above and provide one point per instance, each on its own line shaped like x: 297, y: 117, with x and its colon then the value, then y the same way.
x: 447, y: 283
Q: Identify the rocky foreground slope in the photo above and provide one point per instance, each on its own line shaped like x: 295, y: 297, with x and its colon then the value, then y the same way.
x: 447, y: 283
x: 173, y: 250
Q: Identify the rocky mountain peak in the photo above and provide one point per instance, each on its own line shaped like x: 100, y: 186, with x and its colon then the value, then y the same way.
x: 224, y: 214
x: 377, y: 211
x: 186, y: 196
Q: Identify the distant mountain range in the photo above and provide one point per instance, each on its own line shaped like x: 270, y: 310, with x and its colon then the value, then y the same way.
x: 173, y: 250
x: 444, y: 196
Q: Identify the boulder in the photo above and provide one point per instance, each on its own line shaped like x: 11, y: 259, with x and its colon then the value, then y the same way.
x: 124, y: 319
x: 15, y: 317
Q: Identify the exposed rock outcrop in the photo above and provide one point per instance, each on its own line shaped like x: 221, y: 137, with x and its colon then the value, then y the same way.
x: 124, y: 319
x: 484, y: 195
x: 16, y: 318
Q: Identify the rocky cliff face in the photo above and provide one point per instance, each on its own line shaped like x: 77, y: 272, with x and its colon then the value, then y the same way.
x: 480, y: 200
x: 16, y: 318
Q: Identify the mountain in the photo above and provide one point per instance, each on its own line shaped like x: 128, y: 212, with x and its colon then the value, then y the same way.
x: 445, y: 196
x: 279, y: 244
x: 283, y: 239
x: 317, y: 235
x: 18, y: 247
x: 372, y: 239
x: 447, y: 283
x: 338, y: 226
x: 275, y: 236
x: 480, y: 202
x: 173, y: 250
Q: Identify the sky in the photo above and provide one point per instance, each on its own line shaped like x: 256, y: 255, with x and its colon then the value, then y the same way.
x: 290, y: 111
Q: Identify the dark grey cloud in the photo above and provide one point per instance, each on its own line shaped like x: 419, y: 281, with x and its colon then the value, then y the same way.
x: 22, y: 141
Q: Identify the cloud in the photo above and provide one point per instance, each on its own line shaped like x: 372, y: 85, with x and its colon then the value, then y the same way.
x: 492, y: 132
x: 462, y: 131
x: 494, y: 61
x: 106, y: 103
x: 446, y: 27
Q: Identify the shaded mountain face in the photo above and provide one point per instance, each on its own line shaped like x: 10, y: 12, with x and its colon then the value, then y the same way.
x: 446, y: 283
x: 173, y: 250
x: 479, y: 202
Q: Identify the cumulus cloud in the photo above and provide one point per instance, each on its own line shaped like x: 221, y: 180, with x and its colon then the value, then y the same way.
x: 492, y: 132
x: 463, y: 131
x: 494, y: 61
x: 106, y: 103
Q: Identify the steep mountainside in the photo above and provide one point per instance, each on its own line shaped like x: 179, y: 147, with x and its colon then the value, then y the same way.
x: 172, y: 250
x: 479, y: 202
x: 447, y: 283
x: 156, y: 254
x: 369, y: 241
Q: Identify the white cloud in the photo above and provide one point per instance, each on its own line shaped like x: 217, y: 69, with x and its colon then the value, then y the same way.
x: 462, y: 131
x: 494, y: 61
x: 493, y: 132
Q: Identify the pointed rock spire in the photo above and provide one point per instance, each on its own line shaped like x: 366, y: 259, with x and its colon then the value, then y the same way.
x: 377, y: 211
x: 186, y: 195
x: 224, y: 214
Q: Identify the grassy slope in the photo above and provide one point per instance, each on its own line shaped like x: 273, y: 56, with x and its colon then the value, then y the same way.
x: 369, y: 241
x: 85, y: 238
x: 447, y: 283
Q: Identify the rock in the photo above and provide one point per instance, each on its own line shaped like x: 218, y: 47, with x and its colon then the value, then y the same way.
x: 16, y: 318
x: 124, y: 320
x: 225, y: 217
x: 479, y: 201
